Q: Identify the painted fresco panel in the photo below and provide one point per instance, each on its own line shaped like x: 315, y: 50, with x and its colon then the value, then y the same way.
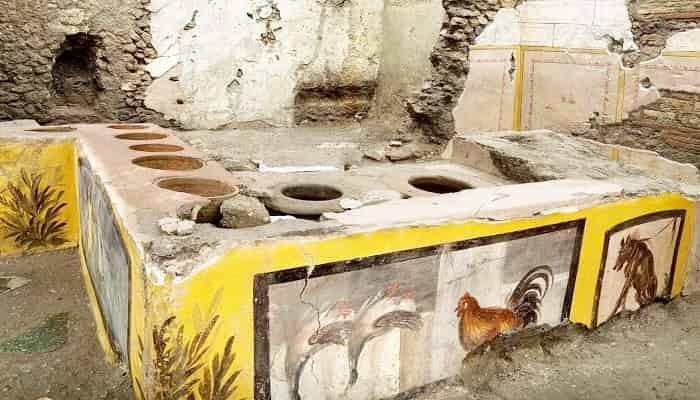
x: 105, y: 257
x: 561, y: 88
x: 638, y: 263
x: 37, y: 197
x: 379, y: 326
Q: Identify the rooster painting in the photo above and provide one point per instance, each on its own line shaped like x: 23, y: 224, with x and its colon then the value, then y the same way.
x: 478, y: 325
x: 638, y: 263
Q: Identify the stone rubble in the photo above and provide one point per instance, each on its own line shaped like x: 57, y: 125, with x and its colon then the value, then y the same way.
x: 243, y: 212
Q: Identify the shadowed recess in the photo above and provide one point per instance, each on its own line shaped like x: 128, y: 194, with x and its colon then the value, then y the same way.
x: 169, y: 163
x: 312, y: 192
x: 156, y: 148
x: 141, y: 136
x: 53, y: 129
x: 198, y: 186
x: 439, y: 184
x: 127, y: 127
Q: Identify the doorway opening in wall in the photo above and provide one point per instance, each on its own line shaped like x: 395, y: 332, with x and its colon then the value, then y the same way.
x: 75, y: 78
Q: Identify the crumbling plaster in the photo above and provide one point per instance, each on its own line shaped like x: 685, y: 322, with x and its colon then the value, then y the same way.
x: 635, y: 31
x: 655, y: 21
x: 567, y: 24
x: 243, y: 62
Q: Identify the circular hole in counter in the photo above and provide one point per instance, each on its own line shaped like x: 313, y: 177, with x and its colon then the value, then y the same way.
x: 197, y: 186
x: 169, y: 163
x: 312, y: 192
x: 156, y: 148
x: 128, y: 127
x: 141, y: 136
x: 439, y: 184
x: 53, y: 129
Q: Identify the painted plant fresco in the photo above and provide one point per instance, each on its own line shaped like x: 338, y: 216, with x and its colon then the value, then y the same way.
x: 380, y: 326
x: 178, y: 368
x: 638, y: 263
x: 30, y: 211
x: 105, y: 257
x: 36, y: 198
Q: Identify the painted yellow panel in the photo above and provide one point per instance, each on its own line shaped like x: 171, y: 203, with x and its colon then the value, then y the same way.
x: 38, y: 199
x: 216, y: 307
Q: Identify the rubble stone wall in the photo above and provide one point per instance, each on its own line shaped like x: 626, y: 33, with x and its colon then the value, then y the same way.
x: 101, y: 47
x: 670, y: 126
x: 654, y: 21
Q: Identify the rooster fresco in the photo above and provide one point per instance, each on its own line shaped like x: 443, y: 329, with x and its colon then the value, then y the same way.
x: 638, y: 263
x: 478, y: 325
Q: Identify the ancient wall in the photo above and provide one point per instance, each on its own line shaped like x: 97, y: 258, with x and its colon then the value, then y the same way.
x: 670, y: 126
x: 545, y: 64
x: 65, y: 60
x: 562, y: 67
x: 410, y: 30
x: 264, y: 62
x: 654, y: 21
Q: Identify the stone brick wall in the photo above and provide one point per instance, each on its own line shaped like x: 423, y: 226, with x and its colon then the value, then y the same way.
x: 431, y: 108
x: 654, y: 21
x: 669, y: 126
x: 108, y: 85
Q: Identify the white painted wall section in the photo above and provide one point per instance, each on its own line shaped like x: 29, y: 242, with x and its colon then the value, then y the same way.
x: 230, y: 76
x: 561, y: 23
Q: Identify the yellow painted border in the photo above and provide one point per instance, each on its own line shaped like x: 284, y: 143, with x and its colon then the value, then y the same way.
x: 520, y: 52
x: 564, y: 50
x: 550, y: 49
x: 619, y: 111
x: 137, y: 297
x: 235, y: 272
x: 101, y: 329
x: 519, y: 82
x: 692, y: 54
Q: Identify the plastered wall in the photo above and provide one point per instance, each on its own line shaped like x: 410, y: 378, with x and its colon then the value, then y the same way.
x: 556, y: 65
x: 247, y: 61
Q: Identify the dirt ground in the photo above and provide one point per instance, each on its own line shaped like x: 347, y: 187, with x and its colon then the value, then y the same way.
x: 654, y: 354
x: 76, y: 369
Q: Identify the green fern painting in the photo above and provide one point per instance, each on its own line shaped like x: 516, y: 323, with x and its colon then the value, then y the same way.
x: 30, y: 212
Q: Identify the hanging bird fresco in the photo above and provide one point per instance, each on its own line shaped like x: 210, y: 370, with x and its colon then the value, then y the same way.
x: 315, y: 333
x: 378, y: 315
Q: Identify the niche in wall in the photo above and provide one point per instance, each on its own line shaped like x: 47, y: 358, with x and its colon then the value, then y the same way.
x: 74, y: 72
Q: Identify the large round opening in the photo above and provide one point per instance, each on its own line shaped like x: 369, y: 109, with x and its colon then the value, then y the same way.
x: 312, y: 192
x: 53, y: 129
x: 169, y: 163
x: 156, y: 148
x: 198, y: 186
x: 141, y: 136
x: 439, y: 184
x: 127, y: 127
